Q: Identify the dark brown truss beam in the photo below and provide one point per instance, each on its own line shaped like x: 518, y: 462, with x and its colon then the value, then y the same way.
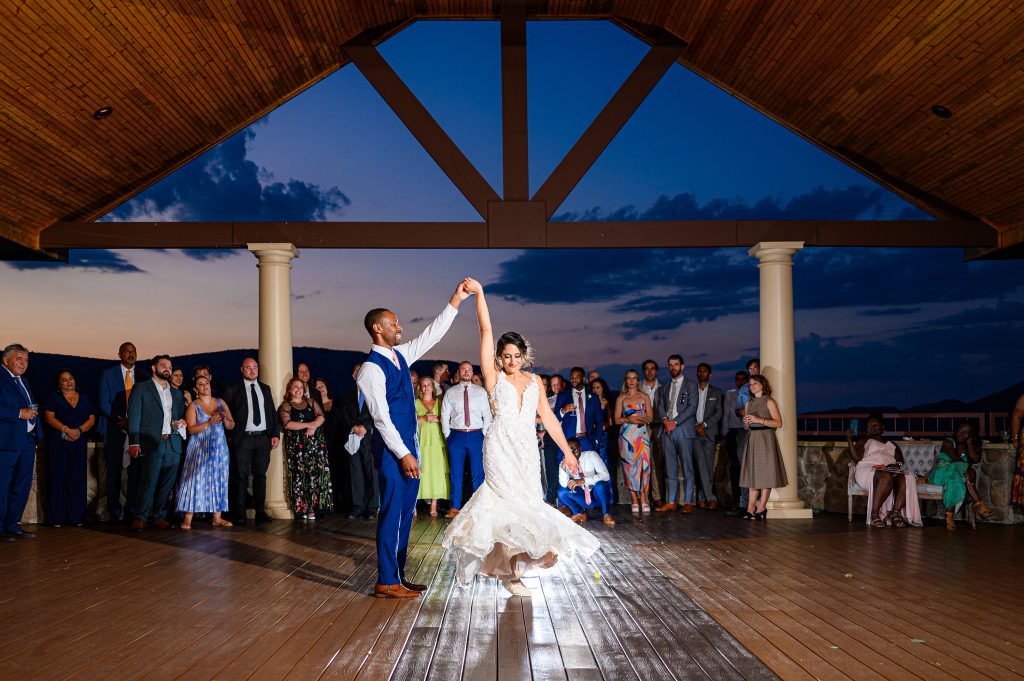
x: 609, y: 122
x: 427, y: 131
x: 638, y: 234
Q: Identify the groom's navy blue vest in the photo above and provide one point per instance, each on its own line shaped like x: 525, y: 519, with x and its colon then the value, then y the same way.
x: 401, y: 402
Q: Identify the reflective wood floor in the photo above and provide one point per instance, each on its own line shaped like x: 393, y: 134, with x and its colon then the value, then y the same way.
x: 703, y: 596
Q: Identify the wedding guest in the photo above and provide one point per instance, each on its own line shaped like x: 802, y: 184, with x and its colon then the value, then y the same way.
x: 433, y: 450
x: 633, y: 412
x: 677, y: 404
x: 892, y: 494
x: 155, y: 426
x: 651, y: 386
x: 256, y: 434
x: 465, y: 417
x: 302, y: 373
x: 735, y: 440
x: 336, y: 453
x: 178, y: 380
x: 579, y: 411
x: 205, y: 477
x: 608, y: 435
x: 592, y: 474
x: 69, y: 416
x: 552, y: 454
x: 415, y: 378
x: 954, y: 471
x: 709, y: 418
x: 19, y: 436
x: 309, y: 475
x: 477, y: 379
x: 116, y: 385
x: 357, y: 420
x: 763, y: 469
x: 441, y: 377
x: 593, y: 376
x: 197, y: 371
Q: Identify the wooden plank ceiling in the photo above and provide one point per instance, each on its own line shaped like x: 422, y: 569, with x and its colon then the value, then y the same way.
x: 858, y: 79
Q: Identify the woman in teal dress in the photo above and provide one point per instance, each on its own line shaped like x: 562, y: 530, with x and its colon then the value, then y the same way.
x: 433, y: 450
x: 305, y: 449
x: 633, y: 412
x: 955, y: 472
x: 204, y: 477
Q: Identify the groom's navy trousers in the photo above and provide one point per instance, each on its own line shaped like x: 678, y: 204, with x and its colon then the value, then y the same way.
x: 398, y: 504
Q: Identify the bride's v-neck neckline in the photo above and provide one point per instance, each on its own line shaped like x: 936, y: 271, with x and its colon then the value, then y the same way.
x: 519, y: 395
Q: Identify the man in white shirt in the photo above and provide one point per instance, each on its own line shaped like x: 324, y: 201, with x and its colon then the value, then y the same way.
x: 591, y: 480
x: 465, y: 417
x: 651, y: 385
x: 384, y: 380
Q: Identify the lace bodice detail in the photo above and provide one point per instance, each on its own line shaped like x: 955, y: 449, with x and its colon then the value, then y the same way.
x: 505, y: 402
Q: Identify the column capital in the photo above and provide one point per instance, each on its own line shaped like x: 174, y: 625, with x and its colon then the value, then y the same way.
x: 274, y: 252
x: 775, y: 251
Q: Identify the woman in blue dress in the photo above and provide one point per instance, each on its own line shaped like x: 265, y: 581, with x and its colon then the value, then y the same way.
x: 204, y: 479
x: 69, y: 416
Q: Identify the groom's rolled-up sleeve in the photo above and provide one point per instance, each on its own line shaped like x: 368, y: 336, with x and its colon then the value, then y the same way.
x: 372, y: 382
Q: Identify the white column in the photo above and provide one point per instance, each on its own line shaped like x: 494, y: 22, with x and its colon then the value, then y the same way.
x: 275, y: 264
x: 778, y: 362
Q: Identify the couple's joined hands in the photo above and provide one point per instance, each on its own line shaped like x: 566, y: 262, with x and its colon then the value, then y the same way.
x: 468, y: 287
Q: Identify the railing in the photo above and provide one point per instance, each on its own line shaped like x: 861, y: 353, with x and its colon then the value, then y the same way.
x: 990, y: 424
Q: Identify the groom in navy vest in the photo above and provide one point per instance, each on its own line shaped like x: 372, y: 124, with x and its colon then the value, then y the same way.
x: 387, y: 386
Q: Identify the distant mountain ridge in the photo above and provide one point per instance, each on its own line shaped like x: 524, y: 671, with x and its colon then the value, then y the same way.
x: 999, y: 401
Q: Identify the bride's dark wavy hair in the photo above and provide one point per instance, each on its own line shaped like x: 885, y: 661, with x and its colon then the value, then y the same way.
x: 516, y: 339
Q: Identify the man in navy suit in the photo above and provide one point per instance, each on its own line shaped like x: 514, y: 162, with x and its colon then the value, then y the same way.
x: 116, y: 385
x: 579, y: 411
x: 155, y: 426
x: 677, y: 404
x: 19, y: 434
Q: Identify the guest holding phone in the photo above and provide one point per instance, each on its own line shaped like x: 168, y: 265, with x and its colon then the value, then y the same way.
x: 204, y: 478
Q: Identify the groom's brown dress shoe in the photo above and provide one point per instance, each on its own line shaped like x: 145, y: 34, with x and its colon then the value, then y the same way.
x: 393, y: 591
x: 413, y: 586
x: 452, y: 513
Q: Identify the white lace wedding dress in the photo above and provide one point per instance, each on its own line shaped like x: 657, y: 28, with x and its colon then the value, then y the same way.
x: 506, y: 530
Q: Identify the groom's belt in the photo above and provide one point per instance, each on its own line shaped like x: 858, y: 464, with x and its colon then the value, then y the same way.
x: 466, y: 430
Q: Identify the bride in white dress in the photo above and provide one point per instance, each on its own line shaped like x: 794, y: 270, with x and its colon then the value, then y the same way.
x: 506, y: 530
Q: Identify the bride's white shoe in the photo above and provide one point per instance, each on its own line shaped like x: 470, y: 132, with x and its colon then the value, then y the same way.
x: 516, y: 588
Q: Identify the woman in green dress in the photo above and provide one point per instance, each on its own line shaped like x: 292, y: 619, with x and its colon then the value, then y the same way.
x: 954, y: 470
x: 433, y: 450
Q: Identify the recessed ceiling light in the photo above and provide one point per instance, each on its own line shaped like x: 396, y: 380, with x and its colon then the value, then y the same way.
x: 941, y: 111
x: 100, y: 114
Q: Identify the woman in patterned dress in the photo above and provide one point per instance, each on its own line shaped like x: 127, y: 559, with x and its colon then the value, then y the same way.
x: 204, y: 478
x: 305, y: 447
x: 633, y: 412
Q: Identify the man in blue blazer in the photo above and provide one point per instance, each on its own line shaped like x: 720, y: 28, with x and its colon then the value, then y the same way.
x: 586, y: 426
x: 20, y: 428
x: 677, y: 404
x: 155, y: 426
x: 116, y: 385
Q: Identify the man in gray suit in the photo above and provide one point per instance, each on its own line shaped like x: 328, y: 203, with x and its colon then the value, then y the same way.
x: 155, y: 424
x: 709, y: 418
x: 677, y: 404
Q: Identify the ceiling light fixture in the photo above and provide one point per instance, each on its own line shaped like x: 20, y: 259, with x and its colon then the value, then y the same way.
x: 100, y: 114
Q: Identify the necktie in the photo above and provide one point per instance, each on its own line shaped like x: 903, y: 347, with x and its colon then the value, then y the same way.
x: 465, y: 405
x: 28, y: 398
x: 129, y: 382
x: 362, y: 401
x: 257, y: 417
x: 580, y: 420
x: 673, y: 397
x: 394, y: 358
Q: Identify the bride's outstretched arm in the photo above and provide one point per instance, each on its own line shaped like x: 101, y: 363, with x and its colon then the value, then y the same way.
x: 554, y: 428
x: 483, y: 317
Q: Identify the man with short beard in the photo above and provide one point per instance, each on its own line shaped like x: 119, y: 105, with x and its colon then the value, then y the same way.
x: 155, y: 436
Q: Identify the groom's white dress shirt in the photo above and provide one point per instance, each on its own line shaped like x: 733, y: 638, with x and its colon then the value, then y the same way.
x: 372, y: 382
x: 453, y: 412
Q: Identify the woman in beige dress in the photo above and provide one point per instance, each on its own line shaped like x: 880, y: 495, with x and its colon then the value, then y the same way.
x: 762, y: 468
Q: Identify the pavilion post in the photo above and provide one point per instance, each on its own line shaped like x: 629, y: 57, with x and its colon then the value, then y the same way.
x: 275, y: 264
x: 778, y: 362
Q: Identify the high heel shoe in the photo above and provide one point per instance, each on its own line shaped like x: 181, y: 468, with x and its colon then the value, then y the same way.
x: 983, y: 511
x: 749, y: 516
x: 950, y: 523
x: 763, y: 515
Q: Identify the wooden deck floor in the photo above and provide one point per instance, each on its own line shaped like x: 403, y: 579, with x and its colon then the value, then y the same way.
x: 677, y: 598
